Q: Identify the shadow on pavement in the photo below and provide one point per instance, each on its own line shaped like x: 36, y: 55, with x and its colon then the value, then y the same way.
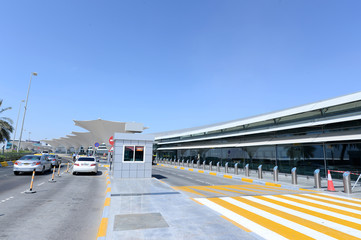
x: 157, y: 176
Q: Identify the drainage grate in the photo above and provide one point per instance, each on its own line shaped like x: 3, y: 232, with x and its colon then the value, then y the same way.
x: 139, y: 221
x: 141, y: 194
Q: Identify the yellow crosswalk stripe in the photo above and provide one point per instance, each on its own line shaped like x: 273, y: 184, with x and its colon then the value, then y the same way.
x: 279, y: 228
x: 206, y: 189
x: 187, y: 189
x: 225, y: 189
x: 299, y: 220
x: 332, y: 202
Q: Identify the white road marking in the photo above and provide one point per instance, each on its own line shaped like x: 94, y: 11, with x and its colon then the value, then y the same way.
x: 309, y: 217
x: 254, y: 227
x: 287, y: 223
x: 41, y: 183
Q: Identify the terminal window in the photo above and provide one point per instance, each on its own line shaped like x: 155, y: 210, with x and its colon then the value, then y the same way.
x: 133, y: 153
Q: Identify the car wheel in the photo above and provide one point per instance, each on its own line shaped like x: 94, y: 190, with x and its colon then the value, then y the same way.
x: 16, y: 173
x: 74, y: 173
x: 43, y: 171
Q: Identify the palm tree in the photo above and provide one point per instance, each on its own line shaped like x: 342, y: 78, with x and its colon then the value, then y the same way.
x: 5, y: 125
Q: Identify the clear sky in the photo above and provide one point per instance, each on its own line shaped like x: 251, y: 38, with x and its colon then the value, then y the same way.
x: 173, y: 64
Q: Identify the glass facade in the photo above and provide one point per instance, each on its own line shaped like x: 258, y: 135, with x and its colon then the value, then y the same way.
x: 341, y: 155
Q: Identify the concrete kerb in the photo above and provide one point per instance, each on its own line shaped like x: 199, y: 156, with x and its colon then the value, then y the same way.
x: 7, y: 163
x: 102, y: 230
x: 232, y: 176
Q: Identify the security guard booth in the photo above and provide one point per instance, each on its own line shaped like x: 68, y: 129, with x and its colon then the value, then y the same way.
x: 132, y: 155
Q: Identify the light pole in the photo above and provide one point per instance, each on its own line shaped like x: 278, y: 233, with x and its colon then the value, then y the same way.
x: 16, y: 128
x: 26, y: 104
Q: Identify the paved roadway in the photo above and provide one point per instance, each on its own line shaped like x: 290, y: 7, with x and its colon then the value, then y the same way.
x: 270, y: 212
x: 70, y: 208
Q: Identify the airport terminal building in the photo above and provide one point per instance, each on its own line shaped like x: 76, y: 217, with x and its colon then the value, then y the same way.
x: 322, y: 135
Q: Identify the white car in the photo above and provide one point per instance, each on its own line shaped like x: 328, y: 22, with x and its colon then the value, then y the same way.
x: 85, y: 165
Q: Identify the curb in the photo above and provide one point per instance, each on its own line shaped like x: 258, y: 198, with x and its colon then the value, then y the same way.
x: 102, y: 230
x: 7, y: 163
x: 231, y: 176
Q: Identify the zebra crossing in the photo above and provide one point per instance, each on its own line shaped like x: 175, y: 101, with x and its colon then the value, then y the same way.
x: 292, y: 216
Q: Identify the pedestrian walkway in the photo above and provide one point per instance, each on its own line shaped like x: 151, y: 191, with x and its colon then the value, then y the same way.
x: 236, y: 190
x: 292, y: 216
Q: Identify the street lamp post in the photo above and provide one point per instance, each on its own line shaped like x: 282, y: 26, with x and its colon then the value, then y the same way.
x: 26, y: 104
x: 16, y: 128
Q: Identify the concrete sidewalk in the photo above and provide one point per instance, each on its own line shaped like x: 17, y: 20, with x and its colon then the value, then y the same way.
x: 150, y: 209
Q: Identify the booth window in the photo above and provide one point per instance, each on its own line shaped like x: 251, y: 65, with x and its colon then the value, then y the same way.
x: 128, y: 153
x: 133, y: 153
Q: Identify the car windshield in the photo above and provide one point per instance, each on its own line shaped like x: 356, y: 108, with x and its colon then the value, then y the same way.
x: 51, y: 156
x: 30, y: 157
x: 86, y: 159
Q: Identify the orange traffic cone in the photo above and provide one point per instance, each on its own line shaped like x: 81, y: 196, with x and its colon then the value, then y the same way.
x: 330, y: 186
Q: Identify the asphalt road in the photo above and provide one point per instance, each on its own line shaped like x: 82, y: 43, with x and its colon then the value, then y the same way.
x: 70, y: 208
x: 197, y: 184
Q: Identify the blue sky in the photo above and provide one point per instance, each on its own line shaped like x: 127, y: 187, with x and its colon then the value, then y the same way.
x: 173, y: 64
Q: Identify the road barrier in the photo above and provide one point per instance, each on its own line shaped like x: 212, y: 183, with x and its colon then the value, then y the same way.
x: 31, y: 183
x: 317, y: 177
x: 226, y: 167
x: 59, y: 170
x: 188, y: 163
x: 218, y: 168
x: 347, y: 182
x: 330, y: 186
x: 182, y: 162
x: 192, y: 163
x: 204, y: 165
x: 260, y: 172
x: 294, y: 176
x: 246, y: 170
x: 236, y: 168
x: 210, y: 166
x: 52, y: 177
x: 275, y: 174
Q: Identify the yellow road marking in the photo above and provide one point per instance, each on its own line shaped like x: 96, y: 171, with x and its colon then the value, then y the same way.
x: 271, y: 225
x: 206, y: 189
x: 182, y: 168
x: 187, y: 189
x: 247, y: 180
x: 200, y: 171
x: 107, y: 202
x: 212, y: 173
x: 237, y: 224
x: 331, y: 202
x: 310, y: 212
x: 273, y: 184
x: 102, y: 231
x: 227, y: 176
x: 242, y: 188
x: 355, y: 215
x: 190, y: 169
x: 108, y: 189
x: 225, y: 189
x: 298, y: 220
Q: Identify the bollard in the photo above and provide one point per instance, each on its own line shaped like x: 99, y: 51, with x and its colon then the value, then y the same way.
x: 226, y: 167
x: 192, y: 163
x: 31, y: 183
x: 198, y: 164
x: 210, y: 166
x: 178, y: 162
x: 260, y: 172
x: 204, y: 165
x: 294, y: 176
x: 317, y: 177
x: 218, y: 168
x: 52, y: 177
x: 59, y: 170
x: 188, y: 163
x: 246, y: 170
x: 236, y: 169
x: 275, y: 174
x: 347, y: 182
x: 182, y: 162
x: 67, y: 167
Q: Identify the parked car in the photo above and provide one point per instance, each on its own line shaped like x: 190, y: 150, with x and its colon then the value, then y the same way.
x: 85, y: 165
x: 28, y: 163
x: 55, y: 160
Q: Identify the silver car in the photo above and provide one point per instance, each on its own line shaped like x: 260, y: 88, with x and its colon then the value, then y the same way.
x: 55, y: 160
x: 28, y: 163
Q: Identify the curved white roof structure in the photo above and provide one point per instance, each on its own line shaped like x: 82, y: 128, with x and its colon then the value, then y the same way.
x: 99, y: 131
